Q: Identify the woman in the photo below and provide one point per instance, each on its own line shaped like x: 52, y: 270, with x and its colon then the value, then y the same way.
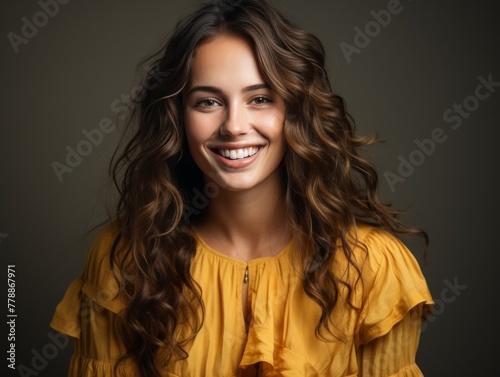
x: 249, y: 239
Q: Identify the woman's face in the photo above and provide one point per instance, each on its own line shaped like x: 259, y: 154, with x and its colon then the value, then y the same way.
x: 234, y: 121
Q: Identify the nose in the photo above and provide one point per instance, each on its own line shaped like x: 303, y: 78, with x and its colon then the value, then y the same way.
x: 236, y: 121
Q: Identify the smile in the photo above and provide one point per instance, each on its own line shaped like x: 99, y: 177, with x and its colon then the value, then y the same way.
x: 238, y: 154
x: 236, y: 158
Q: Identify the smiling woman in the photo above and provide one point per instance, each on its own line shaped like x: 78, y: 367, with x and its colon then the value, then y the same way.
x: 292, y: 268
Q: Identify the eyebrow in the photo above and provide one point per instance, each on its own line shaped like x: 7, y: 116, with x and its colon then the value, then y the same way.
x: 215, y: 90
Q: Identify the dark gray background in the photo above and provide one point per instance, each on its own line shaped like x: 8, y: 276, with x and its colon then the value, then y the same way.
x: 429, y: 56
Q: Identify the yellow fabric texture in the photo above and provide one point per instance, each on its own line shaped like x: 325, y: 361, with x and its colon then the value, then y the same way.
x: 380, y: 338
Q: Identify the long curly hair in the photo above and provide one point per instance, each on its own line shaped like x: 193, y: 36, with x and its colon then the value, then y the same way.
x: 329, y: 186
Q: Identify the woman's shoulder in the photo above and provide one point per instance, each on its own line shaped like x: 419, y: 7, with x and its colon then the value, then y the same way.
x: 380, y: 257
x: 100, y: 283
x: 102, y: 243
x: 383, y: 256
x: 375, y: 245
x: 96, y: 282
x: 393, y: 280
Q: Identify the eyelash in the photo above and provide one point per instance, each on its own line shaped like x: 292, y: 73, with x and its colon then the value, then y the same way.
x: 203, y: 102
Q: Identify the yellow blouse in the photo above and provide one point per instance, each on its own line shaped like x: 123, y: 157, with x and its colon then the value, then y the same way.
x: 380, y: 339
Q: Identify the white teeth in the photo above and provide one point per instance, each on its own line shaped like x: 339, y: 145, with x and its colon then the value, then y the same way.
x: 236, y: 154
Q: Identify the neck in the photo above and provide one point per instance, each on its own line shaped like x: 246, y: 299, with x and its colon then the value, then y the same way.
x: 247, y: 224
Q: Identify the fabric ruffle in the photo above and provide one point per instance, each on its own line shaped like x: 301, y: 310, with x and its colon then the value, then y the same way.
x: 393, y: 285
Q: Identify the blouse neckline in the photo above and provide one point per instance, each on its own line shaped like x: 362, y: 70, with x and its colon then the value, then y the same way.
x: 208, y: 249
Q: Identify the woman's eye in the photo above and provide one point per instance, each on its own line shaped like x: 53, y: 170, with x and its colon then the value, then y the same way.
x: 261, y: 100
x: 207, y: 103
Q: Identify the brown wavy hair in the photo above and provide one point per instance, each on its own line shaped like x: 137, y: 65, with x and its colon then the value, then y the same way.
x: 329, y: 186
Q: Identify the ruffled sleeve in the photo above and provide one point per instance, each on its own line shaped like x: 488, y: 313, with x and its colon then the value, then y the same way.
x: 393, y: 355
x: 393, y: 285
x: 395, y: 300
x: 88, y: 312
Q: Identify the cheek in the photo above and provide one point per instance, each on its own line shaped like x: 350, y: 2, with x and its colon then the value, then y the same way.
x: 197, y: 130
x: 273, y: 126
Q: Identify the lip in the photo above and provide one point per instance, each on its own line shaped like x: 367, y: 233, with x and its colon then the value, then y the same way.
x: 239, y: 163
x: 234, y: 146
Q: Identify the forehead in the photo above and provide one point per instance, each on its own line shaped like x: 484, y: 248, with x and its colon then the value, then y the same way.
x: 225, y: 59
